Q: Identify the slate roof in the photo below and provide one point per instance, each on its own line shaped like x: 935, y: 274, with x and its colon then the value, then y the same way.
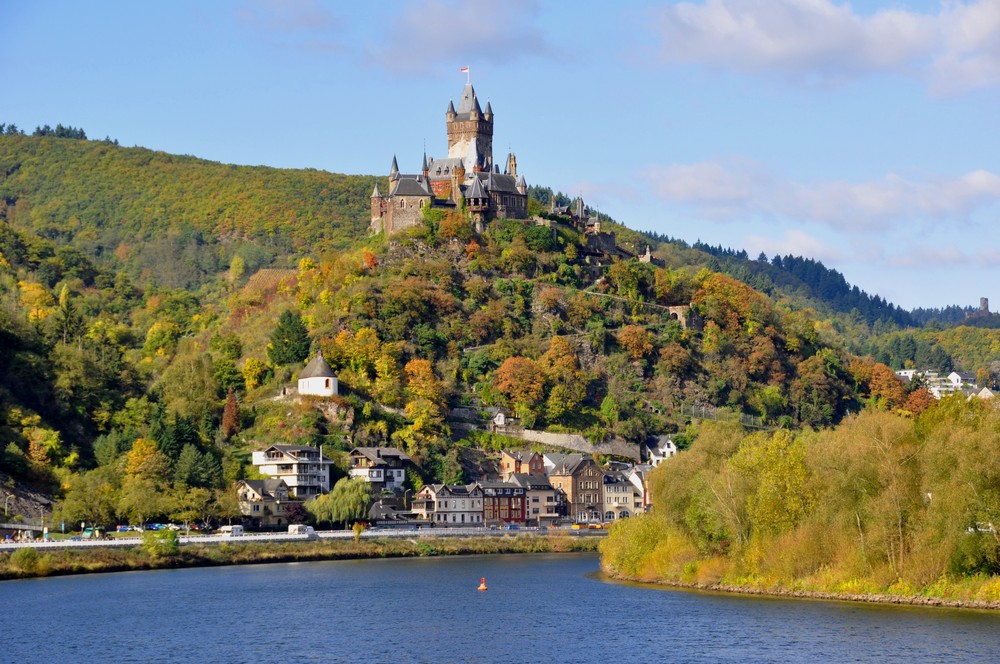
x: 265, y: 488
x: 499, y: 182
x: 442, y: 168
x: 378, y: 453
x: 468, y: 103
x: 317, y: 367
x: 475, y: 190
x: 531, y: 480
x: 410, y: 186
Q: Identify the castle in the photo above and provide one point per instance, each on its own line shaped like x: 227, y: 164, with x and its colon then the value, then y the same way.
x: 468, y: 175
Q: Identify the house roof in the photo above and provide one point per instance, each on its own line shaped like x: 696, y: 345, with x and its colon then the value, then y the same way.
x: 317, y: 368
x: 531, y: 480
x: 265, y: 488
x: 290, y: 450
x: 568, y: 464
x: 378, y: 453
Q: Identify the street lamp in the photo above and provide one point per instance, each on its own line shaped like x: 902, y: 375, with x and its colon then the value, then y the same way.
x: 405, y: 494
x: 6, y: 501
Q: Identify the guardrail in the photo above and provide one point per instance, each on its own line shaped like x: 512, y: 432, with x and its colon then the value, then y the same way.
x: 371, y: 533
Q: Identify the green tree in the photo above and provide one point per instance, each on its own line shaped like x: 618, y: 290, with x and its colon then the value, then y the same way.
x: 290, y: 340
x: 347, y: 502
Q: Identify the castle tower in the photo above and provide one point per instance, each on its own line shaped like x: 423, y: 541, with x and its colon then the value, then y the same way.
x: 470, y: 126
x: 511, y: 165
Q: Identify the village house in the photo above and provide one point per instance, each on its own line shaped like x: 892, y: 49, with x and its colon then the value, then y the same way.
x: 544, y: 505
x: 318, y: 379
x: 639, y: 476
x: 449, y: 505
x: 582, y: 481
x: 264, y: 501
x: 661, y: 450
x: 619, y: 496
x: 384, y: 467
x: 305, y: 470
x: 503, y: 503
x: 938, y: 386
x: 520, y: 461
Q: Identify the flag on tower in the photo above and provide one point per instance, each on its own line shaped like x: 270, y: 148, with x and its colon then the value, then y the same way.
x: 464, y: 70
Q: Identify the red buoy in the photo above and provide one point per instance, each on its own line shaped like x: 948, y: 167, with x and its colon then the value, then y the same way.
x: 482, y: 584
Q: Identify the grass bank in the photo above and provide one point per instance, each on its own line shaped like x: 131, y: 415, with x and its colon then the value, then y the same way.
x: 30, y: 562
x: 646, y: 550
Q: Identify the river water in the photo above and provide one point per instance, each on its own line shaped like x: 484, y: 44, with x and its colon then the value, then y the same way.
x: 539, y: 608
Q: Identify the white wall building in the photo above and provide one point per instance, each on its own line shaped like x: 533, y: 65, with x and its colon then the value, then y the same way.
x: 318, y: 379
x: 304, y: 469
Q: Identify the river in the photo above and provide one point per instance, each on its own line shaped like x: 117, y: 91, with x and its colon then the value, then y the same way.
x: 539, y: 608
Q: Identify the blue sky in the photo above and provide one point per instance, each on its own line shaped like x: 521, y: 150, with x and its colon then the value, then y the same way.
x: 865, y: 135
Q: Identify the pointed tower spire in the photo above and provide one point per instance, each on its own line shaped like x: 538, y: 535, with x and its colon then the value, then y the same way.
x: 394, y: 170
x: 375, y: 192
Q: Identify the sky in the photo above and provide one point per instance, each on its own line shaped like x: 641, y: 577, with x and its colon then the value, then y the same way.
x: 864, y: 135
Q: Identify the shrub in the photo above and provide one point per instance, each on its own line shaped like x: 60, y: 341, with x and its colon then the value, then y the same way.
x: 160, y: 543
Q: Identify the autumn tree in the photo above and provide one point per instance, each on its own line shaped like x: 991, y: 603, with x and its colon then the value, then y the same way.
x: 521, y: 380
x: 636, y: 340
x: 230, y: 416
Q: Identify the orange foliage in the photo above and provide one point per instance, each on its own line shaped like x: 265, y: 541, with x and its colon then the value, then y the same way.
x: 636, y: 340
x: 521, y: 380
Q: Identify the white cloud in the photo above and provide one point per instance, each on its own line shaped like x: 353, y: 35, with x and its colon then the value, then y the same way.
x: 435, y: 32
x: 795, y: 242
x: 737, y: 189
x: 955, y: 50
x: 300, y: 24
x: 925, y: 258
x: 971, y: 57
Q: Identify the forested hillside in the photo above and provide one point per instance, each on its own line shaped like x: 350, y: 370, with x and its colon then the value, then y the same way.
x: 175, y: 221
x: 153, y: 308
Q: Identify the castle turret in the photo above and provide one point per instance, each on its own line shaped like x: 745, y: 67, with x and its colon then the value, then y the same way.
x: 376, y: 223
x: 425, y: 169
x: 393, y: 171
x: 522, y: 186
x: 477, y: 202
x: 511, y: 165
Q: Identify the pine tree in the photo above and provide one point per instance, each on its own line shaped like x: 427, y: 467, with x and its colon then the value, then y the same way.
x: 289, y: 341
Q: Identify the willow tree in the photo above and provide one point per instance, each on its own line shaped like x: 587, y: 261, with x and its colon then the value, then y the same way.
x: 348, y: 502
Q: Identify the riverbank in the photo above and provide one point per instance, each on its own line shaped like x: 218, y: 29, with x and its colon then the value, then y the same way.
x: 783, y: 593
x: 30, y: 562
